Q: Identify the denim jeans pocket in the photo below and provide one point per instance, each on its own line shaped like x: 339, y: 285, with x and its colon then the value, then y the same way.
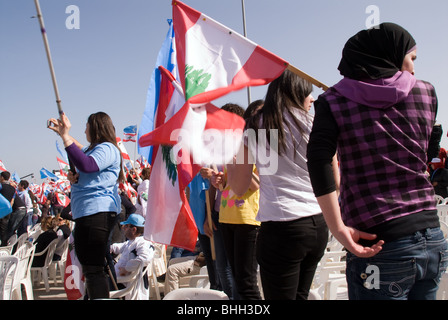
x: 374, y: 279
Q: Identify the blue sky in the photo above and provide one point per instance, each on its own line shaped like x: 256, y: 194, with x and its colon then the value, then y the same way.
x: 106, y: 64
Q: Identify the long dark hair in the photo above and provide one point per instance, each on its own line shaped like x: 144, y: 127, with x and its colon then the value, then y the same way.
x: 102, y: 130
x: 284, y: 94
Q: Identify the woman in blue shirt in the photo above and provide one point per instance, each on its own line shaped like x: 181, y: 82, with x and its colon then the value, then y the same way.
x: 95, y: 201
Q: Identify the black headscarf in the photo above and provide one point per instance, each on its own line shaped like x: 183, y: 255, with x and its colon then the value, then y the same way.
x: 376, y: 53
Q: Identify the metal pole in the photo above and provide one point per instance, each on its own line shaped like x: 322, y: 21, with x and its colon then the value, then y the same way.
x: 50, y: 64
x: 245, y: 34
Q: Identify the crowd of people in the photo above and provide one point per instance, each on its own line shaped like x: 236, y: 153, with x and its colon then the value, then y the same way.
x: 365, y: 168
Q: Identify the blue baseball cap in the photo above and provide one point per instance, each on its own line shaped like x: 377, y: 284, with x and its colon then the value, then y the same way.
x: 135, y: 219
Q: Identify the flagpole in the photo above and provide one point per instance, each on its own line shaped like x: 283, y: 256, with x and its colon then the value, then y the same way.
x: 50, y: 64
x: 47, y: 50
x: 245, y: 35
x: 307, y: 77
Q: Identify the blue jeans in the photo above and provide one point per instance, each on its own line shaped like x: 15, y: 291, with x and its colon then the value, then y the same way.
x: 408, y: 268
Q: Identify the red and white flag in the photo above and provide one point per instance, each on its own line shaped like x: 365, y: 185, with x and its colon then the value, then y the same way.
x: 73, y: 277
x: 63, y: 167
x: 124, y: 153
x: 2, y: 166
x: 169, y: 219
x: 62, y: 199
x: 214, y: 60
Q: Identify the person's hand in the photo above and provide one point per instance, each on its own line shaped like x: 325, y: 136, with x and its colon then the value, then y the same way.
x: 206, y: 173
x: 207, y: 231
x: 217, y: 180
x: 60, y: 126
x: 73, y: 178
x: 349, y: 238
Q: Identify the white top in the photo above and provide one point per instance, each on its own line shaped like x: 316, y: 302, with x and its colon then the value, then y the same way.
x: 285, y: 188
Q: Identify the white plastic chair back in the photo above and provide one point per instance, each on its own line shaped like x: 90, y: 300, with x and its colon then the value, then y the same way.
x: 22, y: 240
x: 49, y: 251
x: 132, y: 283
x: 442, y: 212
x: 8, y: 269
x: 439, y: 199
x: 25, y: 254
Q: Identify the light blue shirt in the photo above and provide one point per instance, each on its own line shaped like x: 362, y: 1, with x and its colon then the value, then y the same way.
x: 98, y: 191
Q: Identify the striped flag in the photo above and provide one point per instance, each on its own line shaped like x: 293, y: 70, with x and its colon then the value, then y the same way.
x: 123, y: 151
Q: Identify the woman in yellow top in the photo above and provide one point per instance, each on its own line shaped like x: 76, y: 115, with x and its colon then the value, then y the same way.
x: 240, y: 228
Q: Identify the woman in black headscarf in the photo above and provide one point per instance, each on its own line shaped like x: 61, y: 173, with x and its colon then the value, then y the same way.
x: 379, y: 118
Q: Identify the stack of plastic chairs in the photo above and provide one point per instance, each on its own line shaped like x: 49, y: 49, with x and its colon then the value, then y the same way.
x: 329, y: 282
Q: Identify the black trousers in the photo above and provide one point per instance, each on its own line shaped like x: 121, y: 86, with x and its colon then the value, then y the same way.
x: 288, y: 253
x: 240, y: 243
x: 91, y: 245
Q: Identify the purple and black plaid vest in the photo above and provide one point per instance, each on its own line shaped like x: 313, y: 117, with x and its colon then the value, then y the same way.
x: 383, y: 157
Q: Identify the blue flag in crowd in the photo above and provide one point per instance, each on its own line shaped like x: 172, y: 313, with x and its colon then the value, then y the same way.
x: 44, y: 173
x: 167, y: 59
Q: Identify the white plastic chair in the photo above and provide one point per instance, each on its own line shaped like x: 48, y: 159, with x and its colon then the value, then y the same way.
x: 60, y: 264
x: 35, y: 232
x: 442, y: 212
x: 329, y: 281
x: 439, y: 199
x: 37, y: 272
x: 201, y: 280
x: 8, y: 270
x: 9, y: 245
x: 22, y: 240
x: 157, y: 267
x: 195, y: 294
x: 23, y: 277
x: 132, y: 283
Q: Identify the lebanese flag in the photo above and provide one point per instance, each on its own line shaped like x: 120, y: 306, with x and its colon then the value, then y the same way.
x: 214, y: 60
x: 62, y: 199
x: 169, y: 219
x: 63, y: 167
x: 124, y: 153
x: 73, y: 276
